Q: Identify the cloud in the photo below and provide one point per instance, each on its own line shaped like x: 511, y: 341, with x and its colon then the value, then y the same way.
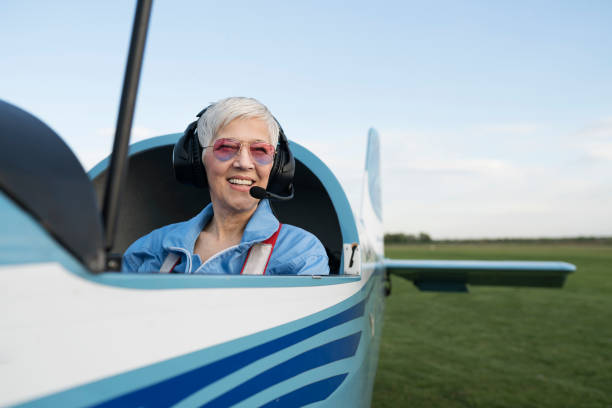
x: 599, y: 151
x: 595, y: 141
x: 138, y: 133
x: 456, y: 165
x: 600, y: 130
x: 524, y: 128
x: 438, y: 153
x: 464, y: 184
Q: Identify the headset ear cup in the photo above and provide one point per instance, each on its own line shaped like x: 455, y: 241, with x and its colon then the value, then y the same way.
x: 187, y: 159
x: 275, y: 169
x: 283, y: 169
x: 199, y: 172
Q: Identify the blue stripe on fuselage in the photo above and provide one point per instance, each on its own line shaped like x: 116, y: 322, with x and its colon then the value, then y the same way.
x: 316, y: 357
x: 317, y: 391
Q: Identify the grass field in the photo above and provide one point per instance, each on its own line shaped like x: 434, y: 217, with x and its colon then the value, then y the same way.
x: 500, y: 347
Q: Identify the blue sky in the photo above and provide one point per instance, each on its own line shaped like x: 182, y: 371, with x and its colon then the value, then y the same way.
x: 495, y: 118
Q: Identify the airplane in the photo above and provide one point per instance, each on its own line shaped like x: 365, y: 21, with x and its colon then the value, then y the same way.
x: 76, y: 333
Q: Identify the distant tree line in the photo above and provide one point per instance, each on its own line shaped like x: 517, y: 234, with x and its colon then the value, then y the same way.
x: 423, y: 238
x: 401, y: 238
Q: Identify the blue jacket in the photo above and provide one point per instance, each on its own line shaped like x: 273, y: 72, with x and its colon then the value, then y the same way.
x: 296, y: 251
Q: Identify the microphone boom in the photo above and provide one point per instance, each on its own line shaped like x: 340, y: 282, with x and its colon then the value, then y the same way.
x: 259, y: 193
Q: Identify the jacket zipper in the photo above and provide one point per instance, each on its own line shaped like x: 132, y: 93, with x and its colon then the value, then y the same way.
x: 218, y: 254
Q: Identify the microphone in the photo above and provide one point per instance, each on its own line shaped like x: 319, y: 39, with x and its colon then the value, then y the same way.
x: 259, y: 193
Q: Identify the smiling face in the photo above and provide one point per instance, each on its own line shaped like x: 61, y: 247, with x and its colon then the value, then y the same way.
x: 231, y: 180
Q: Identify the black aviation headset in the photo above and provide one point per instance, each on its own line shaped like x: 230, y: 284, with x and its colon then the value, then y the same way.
x: 189, y: 169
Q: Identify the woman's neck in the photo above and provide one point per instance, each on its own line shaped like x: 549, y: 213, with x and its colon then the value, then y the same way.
x: 224, y: 230
x: 228, y: 225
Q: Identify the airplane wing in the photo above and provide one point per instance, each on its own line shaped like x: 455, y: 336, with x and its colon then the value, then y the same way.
x: 453, y: 276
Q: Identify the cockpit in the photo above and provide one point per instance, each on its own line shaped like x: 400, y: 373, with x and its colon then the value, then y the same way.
x: 153, y: 198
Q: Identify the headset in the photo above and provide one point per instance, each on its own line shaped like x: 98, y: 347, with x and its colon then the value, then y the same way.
x: 189, y: 169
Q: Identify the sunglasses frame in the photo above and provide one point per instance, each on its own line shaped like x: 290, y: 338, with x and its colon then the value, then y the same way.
x: 241, y: 144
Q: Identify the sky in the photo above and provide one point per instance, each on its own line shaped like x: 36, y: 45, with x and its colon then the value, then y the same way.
x: 495, y: 118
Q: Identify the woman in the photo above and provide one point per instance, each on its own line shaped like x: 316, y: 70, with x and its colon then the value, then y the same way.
x: 235, y: 233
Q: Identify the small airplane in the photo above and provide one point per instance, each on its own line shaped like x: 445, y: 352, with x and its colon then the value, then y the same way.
x: 76, y: 333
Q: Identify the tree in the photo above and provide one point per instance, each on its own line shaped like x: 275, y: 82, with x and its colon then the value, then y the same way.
x: 424, y: 237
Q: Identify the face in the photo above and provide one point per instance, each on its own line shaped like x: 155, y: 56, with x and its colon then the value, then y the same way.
x: 230, y: 180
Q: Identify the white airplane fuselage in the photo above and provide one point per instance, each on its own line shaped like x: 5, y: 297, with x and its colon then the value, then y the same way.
x: 72, y: 338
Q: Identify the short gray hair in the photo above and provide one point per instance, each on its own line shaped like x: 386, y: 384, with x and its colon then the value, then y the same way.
x: 222, y: 112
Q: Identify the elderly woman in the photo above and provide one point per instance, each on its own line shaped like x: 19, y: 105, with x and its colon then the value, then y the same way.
x: 235, y: 233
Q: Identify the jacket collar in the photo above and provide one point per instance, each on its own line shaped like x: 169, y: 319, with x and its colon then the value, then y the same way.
x: 260, y: 227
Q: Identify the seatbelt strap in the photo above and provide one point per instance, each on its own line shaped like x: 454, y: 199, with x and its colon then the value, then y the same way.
x: 259, y: 255
x: 170, y: 262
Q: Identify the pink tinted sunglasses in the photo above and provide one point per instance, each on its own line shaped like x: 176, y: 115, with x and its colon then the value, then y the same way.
x: 225, y: 149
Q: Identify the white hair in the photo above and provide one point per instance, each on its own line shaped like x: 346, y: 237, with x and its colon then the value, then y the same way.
x: 224, y: 111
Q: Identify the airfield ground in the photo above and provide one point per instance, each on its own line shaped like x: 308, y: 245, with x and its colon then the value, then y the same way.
x: 500, y: 347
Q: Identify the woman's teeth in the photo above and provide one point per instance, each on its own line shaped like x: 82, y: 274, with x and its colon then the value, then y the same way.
x: 241, y: 181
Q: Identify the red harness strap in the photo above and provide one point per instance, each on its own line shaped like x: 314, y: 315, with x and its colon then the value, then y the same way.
x: 178, y: 261
x: 172, y: 259
x: 264, y: 248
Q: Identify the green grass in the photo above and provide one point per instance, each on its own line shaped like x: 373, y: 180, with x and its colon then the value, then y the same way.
x: 500, y: 347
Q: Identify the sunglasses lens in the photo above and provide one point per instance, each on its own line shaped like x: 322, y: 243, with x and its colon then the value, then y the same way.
x: 225, y: 149
x: 262, y: 153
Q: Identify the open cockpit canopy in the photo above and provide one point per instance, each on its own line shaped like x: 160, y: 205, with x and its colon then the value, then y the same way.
x: 39, y: 172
